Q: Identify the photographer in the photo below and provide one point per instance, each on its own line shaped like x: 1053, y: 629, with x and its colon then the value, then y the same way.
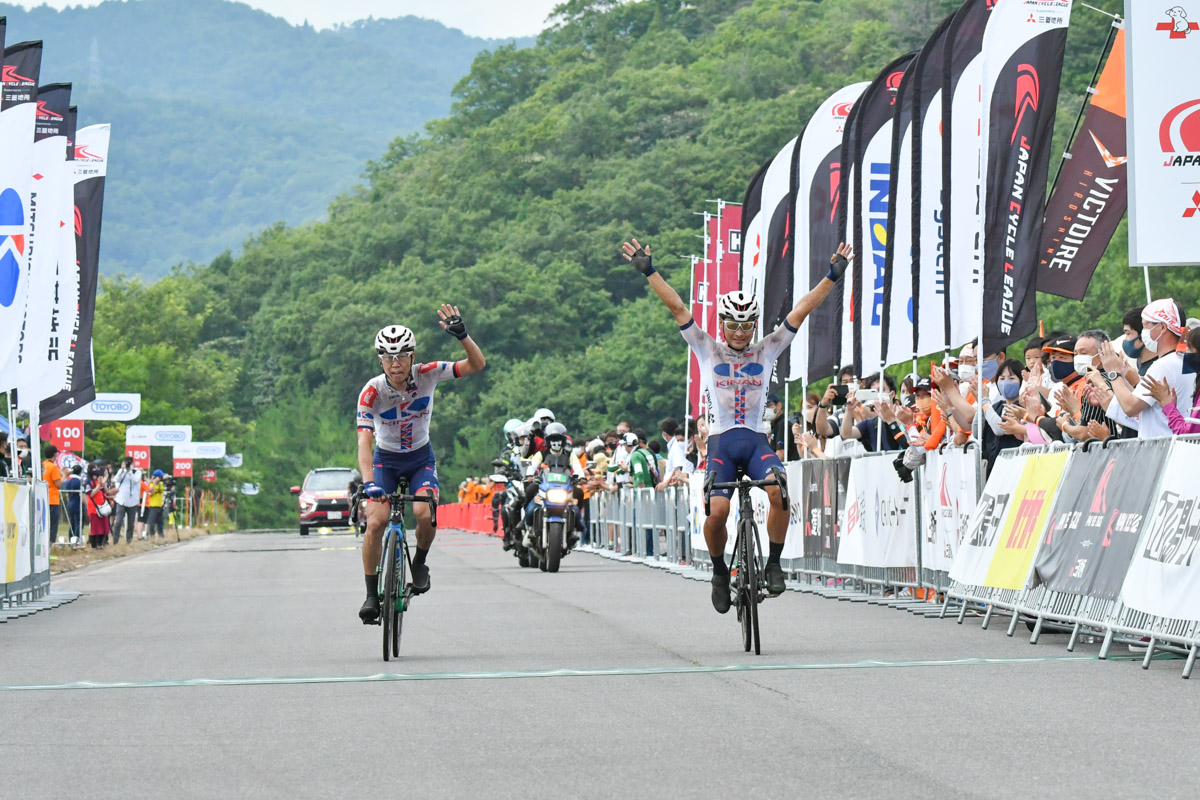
x: 128, y: 483
x: 154, y: 504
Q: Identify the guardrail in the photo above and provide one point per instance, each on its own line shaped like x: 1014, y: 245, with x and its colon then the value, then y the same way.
x: 1073, y: 538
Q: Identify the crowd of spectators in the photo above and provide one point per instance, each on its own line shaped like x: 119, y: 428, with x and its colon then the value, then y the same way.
x: 1069, y: 387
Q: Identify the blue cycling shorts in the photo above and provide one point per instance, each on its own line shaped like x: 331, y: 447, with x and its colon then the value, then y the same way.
x: 739, y: 447
x: 417, y: 467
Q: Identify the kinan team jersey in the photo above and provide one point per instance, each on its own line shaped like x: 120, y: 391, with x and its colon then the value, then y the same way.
x: 734, y: 384
x: 400, y: 417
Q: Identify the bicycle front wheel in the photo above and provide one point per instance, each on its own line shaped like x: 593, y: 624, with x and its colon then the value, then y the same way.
x: 741, y: 590
x: 403, y: 595
x: 752, y: 587
x: 387, y: 603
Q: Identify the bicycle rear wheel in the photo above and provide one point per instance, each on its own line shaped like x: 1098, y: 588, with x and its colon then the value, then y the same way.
x: 752, y: 584
x: 387, y: 600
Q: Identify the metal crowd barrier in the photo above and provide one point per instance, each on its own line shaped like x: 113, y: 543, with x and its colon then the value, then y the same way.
x: 35, y: 585
x: 625, y: 523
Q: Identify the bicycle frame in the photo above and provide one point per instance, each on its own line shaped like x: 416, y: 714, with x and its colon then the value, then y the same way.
x: 395, y: 563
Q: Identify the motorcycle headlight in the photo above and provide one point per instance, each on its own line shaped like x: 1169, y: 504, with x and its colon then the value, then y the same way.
x: 557, y: 496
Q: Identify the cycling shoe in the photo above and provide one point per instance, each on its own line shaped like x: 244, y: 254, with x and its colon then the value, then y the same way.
x: 420, y: 578
x: 720, y: 593
x: 775, y: 585
x: 369, y: 613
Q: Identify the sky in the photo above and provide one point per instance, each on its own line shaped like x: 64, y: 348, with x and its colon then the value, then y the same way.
x: 486, y: 18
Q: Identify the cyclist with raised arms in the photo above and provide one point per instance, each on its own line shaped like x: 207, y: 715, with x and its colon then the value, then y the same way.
x: 734, y: 377
x: 394, y: 410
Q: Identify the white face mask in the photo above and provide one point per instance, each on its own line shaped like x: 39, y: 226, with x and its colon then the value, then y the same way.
x: 1148, y: 340
x: 770, y: 414
x: 1083, y: 363
x: 966, y: 372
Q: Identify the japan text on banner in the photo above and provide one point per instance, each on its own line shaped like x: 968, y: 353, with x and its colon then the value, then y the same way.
x: 818, y: 185
x: 1105, y: 496
x: 90, y: 163
x: 1091, y: 196
x: 979, y: 542
x: 1163, y: 128
x: 1023, y: 51
x: 41, y: 368
x: 1164, y: 576
x: 1027, y: 514
x: 867, y: 147
x: 948, y: 492
x: 18, y: 111
x: 881, y: 526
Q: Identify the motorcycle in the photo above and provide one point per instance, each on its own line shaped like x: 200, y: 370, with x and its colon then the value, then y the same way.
x: 549, y: 530
x: 513, y: 506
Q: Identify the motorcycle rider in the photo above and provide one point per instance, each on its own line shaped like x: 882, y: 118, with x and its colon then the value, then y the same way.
x: 394, y: 410
x: 557, y: 455
x: 734, y: 377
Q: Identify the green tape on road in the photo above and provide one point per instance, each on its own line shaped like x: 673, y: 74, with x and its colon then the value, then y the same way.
x: 554, y: 673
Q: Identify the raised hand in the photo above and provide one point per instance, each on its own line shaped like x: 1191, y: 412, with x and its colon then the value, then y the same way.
x: 839, y: 261
x: 452, y: 322
x: 1098, y: 431
x: 1160, y: 390
x: 1067, y: 400
x: 639, y: 256
x: 1111, y: 360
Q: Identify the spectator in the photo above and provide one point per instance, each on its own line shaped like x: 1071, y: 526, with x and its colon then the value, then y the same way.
x: 623, y: 428
x: 97, y: 497
x: 1166, y: 396
x: 1162, y: 330
x: 54, y: 481
x: 643, y: 470
x: 24, y: 458
x: 775, y: 415
x: 618, y: 465
x: 73, y: 488
x: 1003, y: 393
x: 128, y: 481
x: 1079, y: 415
x: 697, y: 454
x: 867, y: 430
x: 677, y: 466
x: 5, y: 457
x: 154, y: 506
x: 1131, y: 344
x: 992, y: 364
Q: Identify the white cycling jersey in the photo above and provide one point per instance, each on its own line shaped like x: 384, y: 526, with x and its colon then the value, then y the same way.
x: 400, y: 418
x: 735, y: 384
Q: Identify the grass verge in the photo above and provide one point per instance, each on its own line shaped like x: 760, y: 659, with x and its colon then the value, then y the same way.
x: 66, y: 557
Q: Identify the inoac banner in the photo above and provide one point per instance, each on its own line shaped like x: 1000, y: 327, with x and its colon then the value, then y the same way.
x: 1164, y: 577
x: 1103, y: 501
x: 18, y: 112
x: 866, y: 147
x: 1163, y: 55
x: 818, y: 187
x: 1023, y: 50
x: 91, y: 166
x: 1091, y: 196
x: 41, y: 370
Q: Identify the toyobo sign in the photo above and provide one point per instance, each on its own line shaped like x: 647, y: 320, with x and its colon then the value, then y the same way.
x: 199, y: 450
x: 158, y: 435
x: 117, y: 406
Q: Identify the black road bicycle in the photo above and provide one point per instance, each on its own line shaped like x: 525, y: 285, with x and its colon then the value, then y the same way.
x: 395, y: 591
x: 748, y: 567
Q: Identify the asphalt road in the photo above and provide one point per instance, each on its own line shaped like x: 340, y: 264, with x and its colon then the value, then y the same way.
x: 261, y: 614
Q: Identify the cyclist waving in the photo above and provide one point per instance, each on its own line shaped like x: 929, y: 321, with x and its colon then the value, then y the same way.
x: 394, y: 410
x: 735, y: 375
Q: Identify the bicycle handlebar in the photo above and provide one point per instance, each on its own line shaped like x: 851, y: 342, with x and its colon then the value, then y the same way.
x: 772, y: 481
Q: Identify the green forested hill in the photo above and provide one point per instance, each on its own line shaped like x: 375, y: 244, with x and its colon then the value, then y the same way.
x: 624, y: 119
x: 226, y: 119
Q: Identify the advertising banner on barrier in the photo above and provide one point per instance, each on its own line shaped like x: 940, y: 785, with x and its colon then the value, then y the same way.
x: 976, y: 549
x: 1104, y: 498
x: 113, y: 406
x: 1164, y: 577
x: 696, y: 514
x: 1030, y: 508
x: 14, y: 511
x: 158, y: 435
x: 820, y: 482
x: 1163, y: 127
x: 41, y: 544
x: 948, y: 490
x: 794, y: 545
x: 881, y: 528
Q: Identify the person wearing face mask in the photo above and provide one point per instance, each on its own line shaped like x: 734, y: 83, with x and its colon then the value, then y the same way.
x: 774, y: 416
x: 1003, y: 392
x: 1178, y: 418
x: 1162, y: 330
x: 1061, y: 352
x: 1131, y: 342
x: 1077, y: 415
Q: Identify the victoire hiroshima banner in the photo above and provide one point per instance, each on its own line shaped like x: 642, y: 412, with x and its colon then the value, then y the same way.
x: 1163, y: 126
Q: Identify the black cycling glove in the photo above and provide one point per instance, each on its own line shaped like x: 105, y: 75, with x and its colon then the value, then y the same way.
x: 641, y: 262
x: 838, y: 267
x: 456, y: 327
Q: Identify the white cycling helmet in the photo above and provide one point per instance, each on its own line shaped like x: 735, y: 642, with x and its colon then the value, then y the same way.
x: 395, y: 339
x: 738, y: 306
x: 511, y: 426
x: 543, y: 413
x: 556, y: 437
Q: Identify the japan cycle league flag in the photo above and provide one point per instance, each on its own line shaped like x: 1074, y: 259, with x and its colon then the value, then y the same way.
x: 42, y: 367
x: 1164, y: 577
x: 91, y: 166
x: 1163, y: 128
x: 22, y: 63
x: 818, y: 185
x: 1023, y: 50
